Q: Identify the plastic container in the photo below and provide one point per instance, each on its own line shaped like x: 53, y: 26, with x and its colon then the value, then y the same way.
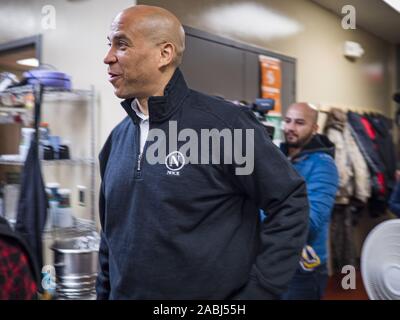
x: 63, y: 152
x: 48, y: 78
x: 44, y: 131
x: 7, y: 79
x: 53, y: 186
x: 52, y: 196
x: 49, y: 219
x: 10, y: 198
x: 26, y: 138
x: 63, y: 216
x: 55, y: 143
x: 47, y: 151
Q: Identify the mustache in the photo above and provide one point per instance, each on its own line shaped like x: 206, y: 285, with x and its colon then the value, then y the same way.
x: 291, y: 133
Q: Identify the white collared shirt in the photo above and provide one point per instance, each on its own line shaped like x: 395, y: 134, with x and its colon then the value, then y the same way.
x: 144, y: 123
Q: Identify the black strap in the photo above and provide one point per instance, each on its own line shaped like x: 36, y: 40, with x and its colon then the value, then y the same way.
x: 38, y: 94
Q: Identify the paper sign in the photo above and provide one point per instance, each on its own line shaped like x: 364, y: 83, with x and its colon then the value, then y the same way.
x: 271, y: 81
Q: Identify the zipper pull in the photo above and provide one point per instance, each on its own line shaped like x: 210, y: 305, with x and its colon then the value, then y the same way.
x: 139, y: 162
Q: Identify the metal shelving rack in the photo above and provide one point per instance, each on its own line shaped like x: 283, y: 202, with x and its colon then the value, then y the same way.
x: 52, y: 95
x: 13, y: 109
x: 70, y: 162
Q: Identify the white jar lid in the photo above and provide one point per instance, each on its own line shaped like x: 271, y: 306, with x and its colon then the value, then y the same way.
x: 64, y: 191
x: 52, y: 185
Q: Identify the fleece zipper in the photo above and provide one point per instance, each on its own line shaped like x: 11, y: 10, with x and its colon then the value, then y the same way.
x: 138, y: 166
x: 139, y: 153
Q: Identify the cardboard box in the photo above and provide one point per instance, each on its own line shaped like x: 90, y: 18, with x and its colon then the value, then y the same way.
x: 10, y: 137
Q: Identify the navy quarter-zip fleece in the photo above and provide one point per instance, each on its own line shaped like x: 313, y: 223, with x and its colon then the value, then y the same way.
x: 196, y: 235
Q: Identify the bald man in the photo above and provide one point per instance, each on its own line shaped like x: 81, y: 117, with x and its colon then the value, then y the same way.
x: 176, y: 228
x: 313, y: 157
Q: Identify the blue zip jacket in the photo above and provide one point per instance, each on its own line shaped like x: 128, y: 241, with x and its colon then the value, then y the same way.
x: 315, y: 163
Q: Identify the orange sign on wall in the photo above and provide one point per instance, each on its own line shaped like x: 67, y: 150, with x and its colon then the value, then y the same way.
x: 271, y: 81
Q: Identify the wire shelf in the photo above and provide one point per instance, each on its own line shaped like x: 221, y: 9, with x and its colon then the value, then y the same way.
x: 70, y: 162
x: 23, y: 96
x: 80, y: 226
x: 51, y: 93
x: 13, y: 109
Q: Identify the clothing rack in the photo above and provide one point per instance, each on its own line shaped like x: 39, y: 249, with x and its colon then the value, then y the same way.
x: 360, y: 110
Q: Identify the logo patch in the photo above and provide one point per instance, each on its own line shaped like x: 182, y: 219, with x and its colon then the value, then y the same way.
x: 174, y: 162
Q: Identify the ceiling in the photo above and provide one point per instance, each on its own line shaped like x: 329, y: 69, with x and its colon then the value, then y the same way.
x: 374, y: 16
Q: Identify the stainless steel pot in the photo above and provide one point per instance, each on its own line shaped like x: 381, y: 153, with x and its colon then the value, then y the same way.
x: 75, y: 262
x: 75, y: 265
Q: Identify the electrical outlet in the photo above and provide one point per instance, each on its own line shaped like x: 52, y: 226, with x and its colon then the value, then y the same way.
x: 81, y: 196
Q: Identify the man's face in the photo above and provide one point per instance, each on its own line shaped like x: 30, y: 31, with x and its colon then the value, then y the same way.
x: 299, y: 127
x: 132, y: 60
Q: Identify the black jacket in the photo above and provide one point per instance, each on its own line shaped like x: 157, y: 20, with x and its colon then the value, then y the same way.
x: 371, y: 155
x: 386, y: 150
x: 196, y: 235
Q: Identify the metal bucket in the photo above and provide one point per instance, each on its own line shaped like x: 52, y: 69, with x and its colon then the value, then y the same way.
x: 75, y: 266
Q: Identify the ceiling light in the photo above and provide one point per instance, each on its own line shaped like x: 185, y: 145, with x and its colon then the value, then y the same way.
x: 395, y: 4
x: 31, y: 62
x: 251, y: 20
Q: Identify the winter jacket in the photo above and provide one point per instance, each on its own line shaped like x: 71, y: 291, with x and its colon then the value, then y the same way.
x: 363, y: 134
x: 316, y: 165
x: 354, y: 177
x: 364, y: 142
x: 394, y: 202
x: 384, y: 142
x: 178, y: 230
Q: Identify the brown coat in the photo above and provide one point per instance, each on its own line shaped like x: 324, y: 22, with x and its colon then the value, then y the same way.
x: 354, y: 177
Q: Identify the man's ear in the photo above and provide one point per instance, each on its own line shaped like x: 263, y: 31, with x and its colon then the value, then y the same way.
x: 315, y: 128
x: 167, y: 53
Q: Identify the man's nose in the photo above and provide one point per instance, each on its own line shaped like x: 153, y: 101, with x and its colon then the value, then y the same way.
x: 288, y: 126
x: 110, y: 57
